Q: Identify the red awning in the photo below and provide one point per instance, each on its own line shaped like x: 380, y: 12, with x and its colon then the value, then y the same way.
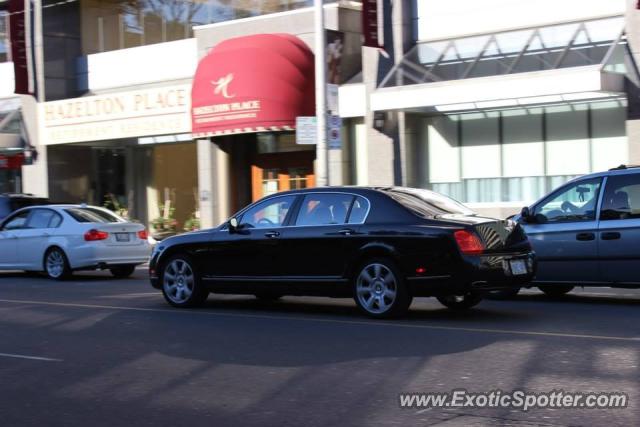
x: 254, y: 83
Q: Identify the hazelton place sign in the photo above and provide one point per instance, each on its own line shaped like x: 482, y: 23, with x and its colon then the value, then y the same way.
x: 156, y: 111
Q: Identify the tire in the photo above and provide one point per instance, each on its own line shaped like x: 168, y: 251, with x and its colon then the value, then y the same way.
x: 268, y: 296
x: 460, y: 302
x: 56, y: 264
x: 181, y: 285
x: 556, y: 291
x: 503, y: 294
x: 379, y: 289
x: 123, y: 271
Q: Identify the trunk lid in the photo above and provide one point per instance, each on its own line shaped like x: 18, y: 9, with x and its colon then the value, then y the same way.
x: 120, y: 233
x: 497, y: 235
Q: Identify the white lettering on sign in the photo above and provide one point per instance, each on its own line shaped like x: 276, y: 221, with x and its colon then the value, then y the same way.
x: 229, y: 111
x: 120, y: 115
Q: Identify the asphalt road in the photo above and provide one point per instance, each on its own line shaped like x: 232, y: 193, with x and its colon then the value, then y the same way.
x: 95, y: 351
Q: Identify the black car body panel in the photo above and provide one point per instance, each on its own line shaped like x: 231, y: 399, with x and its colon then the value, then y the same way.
x: 322, y: 259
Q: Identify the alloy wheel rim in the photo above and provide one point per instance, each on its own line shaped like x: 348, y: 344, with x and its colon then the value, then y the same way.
x: 178, y: 281
x: 55, y: 264
x: 376, y: 288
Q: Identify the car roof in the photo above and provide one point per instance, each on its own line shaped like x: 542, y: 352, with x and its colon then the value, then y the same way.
x: 619, y: 170
x: 22, y: 196
x: 352, y: 189
x: 59, y: 206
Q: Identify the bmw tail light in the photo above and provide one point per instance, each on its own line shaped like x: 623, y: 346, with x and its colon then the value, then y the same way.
x: 468, y: 242
x: 143, y: 234
x: 93, y: 235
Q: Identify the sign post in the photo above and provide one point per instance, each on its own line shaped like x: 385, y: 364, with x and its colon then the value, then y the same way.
x: 322, y: 157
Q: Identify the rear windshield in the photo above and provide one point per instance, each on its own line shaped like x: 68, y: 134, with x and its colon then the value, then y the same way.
x: 427, y: 204
x: 92, y: 215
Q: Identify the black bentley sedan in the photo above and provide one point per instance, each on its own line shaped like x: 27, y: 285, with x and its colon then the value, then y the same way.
x: 381, y: 246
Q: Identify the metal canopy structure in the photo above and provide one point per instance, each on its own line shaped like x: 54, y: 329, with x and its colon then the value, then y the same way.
x: 587, y: 43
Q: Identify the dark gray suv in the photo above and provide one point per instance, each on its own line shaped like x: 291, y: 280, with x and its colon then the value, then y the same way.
x: 11, y: 202
x: 587, y: 232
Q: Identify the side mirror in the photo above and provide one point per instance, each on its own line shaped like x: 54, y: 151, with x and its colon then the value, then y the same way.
x: 526, y: 216
x: 233, y: 225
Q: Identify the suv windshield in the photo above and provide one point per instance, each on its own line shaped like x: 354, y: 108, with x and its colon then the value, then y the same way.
x: 427, y: 204
x: 92, y: 215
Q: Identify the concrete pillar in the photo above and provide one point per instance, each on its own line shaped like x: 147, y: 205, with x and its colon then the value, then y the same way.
x: 336, y: 167
x: 632, y: 27
x: 387, y: 154
x: 35, y: 178
x: 213, y: 183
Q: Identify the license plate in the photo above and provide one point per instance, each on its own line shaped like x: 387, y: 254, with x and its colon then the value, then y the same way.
x: 518, y: 267
x: 122, y: 237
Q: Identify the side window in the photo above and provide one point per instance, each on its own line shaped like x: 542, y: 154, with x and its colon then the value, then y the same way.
x: 324, y: 209
x: 270, y: 213
x: 56, y: 220
x: 576, y: 202
x: 40, y: 218
x: 359, y: 210
x: 621, y: 198
x: 17, y: 222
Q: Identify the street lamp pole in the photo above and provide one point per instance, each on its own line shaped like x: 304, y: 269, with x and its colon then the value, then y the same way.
x: 322, y: 157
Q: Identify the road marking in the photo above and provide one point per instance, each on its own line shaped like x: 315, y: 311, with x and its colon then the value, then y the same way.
x: 388, y: 323
x: 135, y: 295
x: 22, y: 356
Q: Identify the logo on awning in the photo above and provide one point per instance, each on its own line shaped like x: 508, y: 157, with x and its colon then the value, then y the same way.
x: 222, y: 86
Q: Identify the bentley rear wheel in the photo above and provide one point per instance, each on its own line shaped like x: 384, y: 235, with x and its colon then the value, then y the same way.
x: 380, y: 291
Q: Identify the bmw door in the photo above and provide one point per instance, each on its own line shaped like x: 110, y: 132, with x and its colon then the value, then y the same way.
x: 563, y: 231
x: 619, y: 230
x: 9, y: 239
x: 33, y: 240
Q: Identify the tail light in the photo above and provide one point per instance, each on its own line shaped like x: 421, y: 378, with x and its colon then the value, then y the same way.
x: 93, y: 235
x: 469, y: 243
x: 143, y: 234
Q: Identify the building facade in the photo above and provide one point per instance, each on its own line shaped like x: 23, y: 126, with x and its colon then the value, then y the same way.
x: 189, y: 112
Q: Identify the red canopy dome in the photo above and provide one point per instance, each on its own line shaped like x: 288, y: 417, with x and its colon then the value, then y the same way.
x: 253, y: 84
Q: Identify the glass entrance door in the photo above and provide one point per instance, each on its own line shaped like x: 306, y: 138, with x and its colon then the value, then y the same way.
x: 276, y: 172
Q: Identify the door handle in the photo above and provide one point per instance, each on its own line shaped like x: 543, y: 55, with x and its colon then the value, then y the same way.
x: 271, y: 234
x: 611, y: 235
x: 584, y: 237
x: 346, y: 232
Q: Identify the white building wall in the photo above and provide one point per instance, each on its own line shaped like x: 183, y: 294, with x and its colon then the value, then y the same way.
x: 163, y: 62
x: 442, y: 19
x: 6, y: 80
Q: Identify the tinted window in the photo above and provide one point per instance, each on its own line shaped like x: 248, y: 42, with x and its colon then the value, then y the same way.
x: 270, y: 213
x: 427, y: 204
x: 17, y: 221
x: 4, y: 207
x: 44, y: 218
x: 575, y: 202
x: 621, y: 198
x: 324, y: 209
x: 19, y: 203
x: 92, y: 215
x: 359, y: 210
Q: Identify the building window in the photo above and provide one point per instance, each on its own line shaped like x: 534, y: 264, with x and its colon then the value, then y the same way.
x: 5, y: 46
x: 518, y: 155
x: 111, y: 25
